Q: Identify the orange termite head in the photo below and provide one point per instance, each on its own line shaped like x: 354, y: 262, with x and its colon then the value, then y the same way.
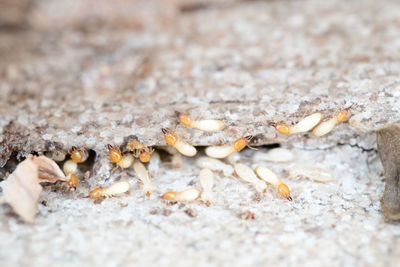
x: 72, y: 181
x: 96, y: 193
x: 144, y: 156
x: 185, y: 119
x: 342, y: 114
x: 242, y: 142
x: 284, y: 191
x: 77, y: 155
x: 280, y: 127
x: 169, y: 136
x: 170, y: 196
x: 114, y: 153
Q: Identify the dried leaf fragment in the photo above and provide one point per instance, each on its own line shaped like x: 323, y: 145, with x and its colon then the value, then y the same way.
x: 21, y: 190
x: 48, y: 170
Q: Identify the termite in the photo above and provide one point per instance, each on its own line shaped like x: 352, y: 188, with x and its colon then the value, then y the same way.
x: 139, y: 150
x: 143, y: 176
x: 215, y: 165
x: 315, y: 174
x: 302, y: 126
x: 72, y: 181
x: 187, y: 195
x: 79, y: 155
x: 182, y: 146
x: 123, y: 160
x: 204, y: 125
x: 248, y: 175
x: 274, y: 155
x: 224, y: 151
x: 56, y: 155
x: 206, y: 178
x: 116, y: 189
x: 154, y: 164
x: 70, y: 166
x: 327, y: 126
x: 270, y: 177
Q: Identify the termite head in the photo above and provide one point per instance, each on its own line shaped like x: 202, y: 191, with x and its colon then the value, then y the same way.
x: 280, y: 127
x: 170, y: 196
x: 169, y: 136
x: 144, y: 156
x: 114, y: 153
x: 96, y: 193
x: 242, y: 142
x: 72, y: 181
x: 185, y: 119
x: 284, y: 191
x: 342, y: 114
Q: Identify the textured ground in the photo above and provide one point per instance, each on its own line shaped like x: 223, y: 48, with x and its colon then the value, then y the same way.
x: 90, y: 73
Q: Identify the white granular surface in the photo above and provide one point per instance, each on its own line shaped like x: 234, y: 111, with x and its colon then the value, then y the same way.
x: 339, y: 223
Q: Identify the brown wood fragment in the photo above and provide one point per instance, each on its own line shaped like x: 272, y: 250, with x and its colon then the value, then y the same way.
x: 388, y: 141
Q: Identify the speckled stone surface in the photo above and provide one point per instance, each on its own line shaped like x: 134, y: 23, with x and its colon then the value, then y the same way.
x: 91, y: 73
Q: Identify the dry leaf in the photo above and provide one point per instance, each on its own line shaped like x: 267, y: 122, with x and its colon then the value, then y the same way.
x: 21, y: 190
x: 48, y: 169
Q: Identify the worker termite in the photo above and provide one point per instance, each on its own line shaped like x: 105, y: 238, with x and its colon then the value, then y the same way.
x: 271, y: 177
x: 315, y: 174
x: 302, y: 126
x: 123, y: 160
x: 215, y: 165
x: 224, y: 151
x: 206, y: 178
x: 79, y: 155
x: 204, y: 125
x: 274, y: 155
x: 154, y: 164
x: 187, y: 195
x: 327, y: 126
x: 247, y: 174
x: 139, y: 150
x: 56, y: 155
x: 183, y: 147
x: 143, y: 176
x: 117, y: 189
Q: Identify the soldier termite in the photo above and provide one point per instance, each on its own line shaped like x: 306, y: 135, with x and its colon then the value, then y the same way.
x: 206, y: 178
x: 274, y: 155
x: 123, y: 160
x: 182, y: 146
x: 224, y: 151
x: 204, y: 125
x: 116, y: 189
x: 187, y: 195
x: 215, y: 165
x: 302, y: 126
x: 315, y: 174
x: 247, y: 174
x: 79, y: 155
x: 271, y: 177
x: 327, y: 126
x: 143, y: 176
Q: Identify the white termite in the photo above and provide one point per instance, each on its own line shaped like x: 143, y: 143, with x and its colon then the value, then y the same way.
x: 274, y: 155
x: 327, y: 126
x: 56, y: 155
x: 70, y: 166
x: 314, y: 173
x: 126, y: 160
x: 182, y: 146
x: 206, y: 178
x: 187, y: 195
x: 116, y: 189
x: 224, y: 151
x: 215, y: 165
x: 154, y: 164
x: 208, y: 125
x: 144, y: 177
x: 272, y: 178
x: 302, y: 126
x: 247, y: 174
